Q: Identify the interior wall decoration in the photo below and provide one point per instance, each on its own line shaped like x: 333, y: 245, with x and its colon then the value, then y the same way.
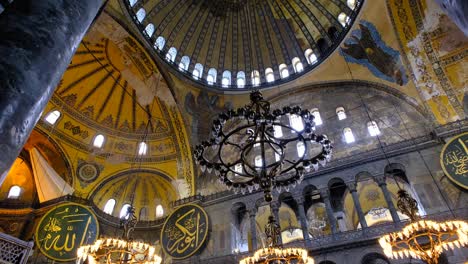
x: 185, y: 231
x: 366, y: 47
x: 454, y: 160
x: 63, y: 229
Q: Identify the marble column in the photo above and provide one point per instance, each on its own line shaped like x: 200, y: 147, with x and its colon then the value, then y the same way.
x: 303, y: 220
x: 37, y: 41
x: 253, y: 228
x: 275, y: 206
x: 331, y: 216
x: 357, y: 205
x: 388, y: 198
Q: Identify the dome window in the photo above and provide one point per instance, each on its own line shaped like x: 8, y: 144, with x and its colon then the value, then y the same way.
x: 255, y: 78
x: 348, y: 135
x: 171, y: 54
x: 184, y: 63
x: 351, y: 4
x: 269, y: 76
x: 240, y: 79
x: 373, y: 128
x: 149, y: 29
x: 132, y: 2
x: 343, y: 19
x: 142, y: 148
x: 296, y: 122
x: 125, y: 212
x: 52, y: 117
x: 159, y: 211
x: 310, y: 56
x: 14, y: 192
x: 159, y: 43
x: 283, y: 69
x: 297, y: 64
x: 340, y: 112
x: 278, y: 132
x: 300, y: 149
x: 317, y: 118
x: 99, y: 141
x: 141, y: 14
x: 197, y: 71
x: 226, y: 80
x: 238, y: 168
x: 258, y: 161
x: 109, y: 207
x: 211, y: 77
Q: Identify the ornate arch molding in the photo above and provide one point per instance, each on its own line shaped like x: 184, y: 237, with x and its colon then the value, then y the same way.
x: 355, y: 84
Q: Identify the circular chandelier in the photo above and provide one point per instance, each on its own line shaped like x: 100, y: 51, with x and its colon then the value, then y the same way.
x: 423, y: 239
x: 119, y: 250
x: 254, y: 147
x: 274, y: 253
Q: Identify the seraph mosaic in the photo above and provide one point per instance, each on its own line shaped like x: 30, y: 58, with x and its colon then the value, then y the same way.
x: 366, y: 47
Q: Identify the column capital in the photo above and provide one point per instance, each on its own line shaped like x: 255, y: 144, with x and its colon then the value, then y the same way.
x: 252, y: 212
x: 380, y: 180
x: 299, y: 199
x: 324, y: 193
x: 275, y: 205
x: 352, y: 186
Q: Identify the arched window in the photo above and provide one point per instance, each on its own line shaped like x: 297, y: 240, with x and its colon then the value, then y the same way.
x: 109, y: 207
x: 159, y: 43
x: 240, y: 79
x: 322, y: 45
x: 149, y: 29
x: 317, y: 118
x: 373, y: 128
x: 171, y: 54
x: 140, y: 14
x: 340, y: 112
x: 283, y: 69
x: 142, y: 148
x: 296, y: 122
x: 297, y: 64
x: 52, y: 117
x: 226, y: 80
x: 197, y: 71
x: 15, y: 192
x: 269, y: 76
x: 258, y: 161
x: 238, y: 168
x: 143, y: 214
x: 184, y: 63
x: 343, y: 19
x: 278, y: 132
x: 277, y: 156
x: 351, y: 4
x: 159, y: 211
x: 99, y: 141
x: 255, y: 75
x: 132, y: 2
x: 300, y: 149
x: 211, y: 77
x: 310, y: 56
x: 348, y: 135
x: 125, y: 211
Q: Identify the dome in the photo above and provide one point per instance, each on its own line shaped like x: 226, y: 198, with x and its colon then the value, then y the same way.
x: 243, y: 44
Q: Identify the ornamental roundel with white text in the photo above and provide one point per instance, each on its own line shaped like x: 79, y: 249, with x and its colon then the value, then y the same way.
x: 63, y: 229
x: 184, y: 231
x: 454, y: 160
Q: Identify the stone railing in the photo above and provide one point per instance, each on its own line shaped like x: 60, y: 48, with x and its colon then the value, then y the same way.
x: 13, y: 250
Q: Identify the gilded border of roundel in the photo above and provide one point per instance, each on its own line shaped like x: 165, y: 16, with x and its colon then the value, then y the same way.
x: 54, y: 208
x: 442, y: 164
x: 204, y: 237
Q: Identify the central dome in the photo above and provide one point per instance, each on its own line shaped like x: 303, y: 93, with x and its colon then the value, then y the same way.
x: 240, y: 44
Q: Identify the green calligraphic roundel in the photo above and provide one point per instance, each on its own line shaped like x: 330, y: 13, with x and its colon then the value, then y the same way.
x: 184, y: 231
x: 64, y: 229
x: 454, y: 160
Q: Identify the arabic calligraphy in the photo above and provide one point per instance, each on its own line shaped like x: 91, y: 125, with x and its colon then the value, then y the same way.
x: 184, y: 231
x: 65, y: 228
x: 454, y: 160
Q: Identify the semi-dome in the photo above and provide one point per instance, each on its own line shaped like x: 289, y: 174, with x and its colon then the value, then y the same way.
x: 240, y: 44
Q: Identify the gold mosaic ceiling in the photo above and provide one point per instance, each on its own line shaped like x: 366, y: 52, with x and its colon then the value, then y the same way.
x: 237, y: 37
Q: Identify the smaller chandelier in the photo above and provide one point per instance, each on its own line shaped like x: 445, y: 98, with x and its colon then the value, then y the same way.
x: 423, y: 239
x: 119, y: 250
x: 275, y: 253
x: 253, y: 147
